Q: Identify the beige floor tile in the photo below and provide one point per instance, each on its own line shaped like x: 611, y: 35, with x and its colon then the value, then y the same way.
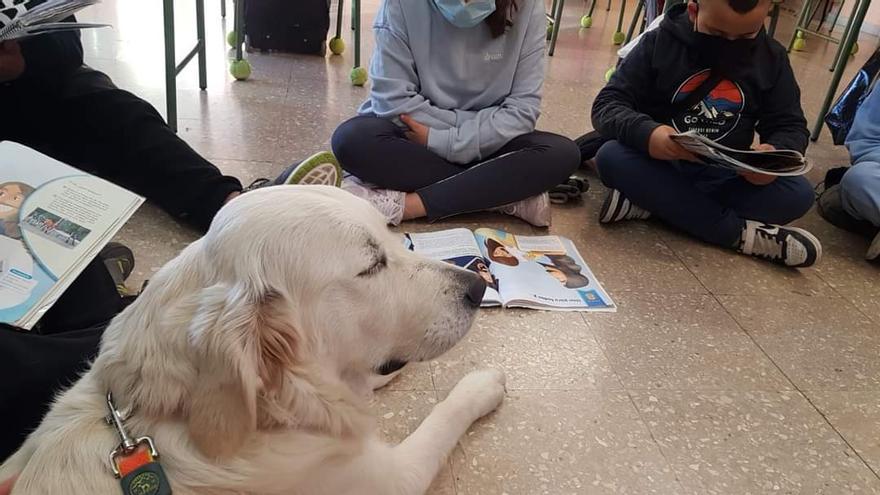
x: 560, y: 443
x: 820, y: 343
x: 625, y: 257
x: 155, y: 238
x: 751, y: 443
x: 724, y: 271
x: 399, y: 414
x: 681, y: 342
x: 856, y: 415
x: 414, y: 377
x: 537, y: 350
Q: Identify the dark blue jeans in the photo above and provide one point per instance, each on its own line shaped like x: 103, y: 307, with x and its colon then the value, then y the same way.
x: 707, y: 202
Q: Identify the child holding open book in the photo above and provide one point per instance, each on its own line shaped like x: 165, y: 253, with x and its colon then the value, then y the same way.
x: 710, y: 67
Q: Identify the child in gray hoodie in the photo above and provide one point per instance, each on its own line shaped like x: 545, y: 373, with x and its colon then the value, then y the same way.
x: 449, y: 126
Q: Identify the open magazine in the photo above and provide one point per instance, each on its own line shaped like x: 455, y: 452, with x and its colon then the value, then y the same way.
x: 538, y: 272
x: 776, y: 162
x: 54, y: 220
x: 25, y: 18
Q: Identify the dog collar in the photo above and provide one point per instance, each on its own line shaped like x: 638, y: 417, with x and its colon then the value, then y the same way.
x: 135, y: 462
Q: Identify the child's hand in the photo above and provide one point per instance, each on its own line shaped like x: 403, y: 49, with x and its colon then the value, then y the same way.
x: 6, y: 486
x: 756, y: 178
x: 11, y: 61
x: 662, y: 147
x: 418, y: 133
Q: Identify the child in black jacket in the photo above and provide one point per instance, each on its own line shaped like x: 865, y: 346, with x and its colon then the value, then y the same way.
x: 650, y: 174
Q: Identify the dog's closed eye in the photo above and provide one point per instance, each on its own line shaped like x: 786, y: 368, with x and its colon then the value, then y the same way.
x: 380, y: 264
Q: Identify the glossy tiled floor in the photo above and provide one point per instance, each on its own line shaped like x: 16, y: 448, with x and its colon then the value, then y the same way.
x: 719, y: 374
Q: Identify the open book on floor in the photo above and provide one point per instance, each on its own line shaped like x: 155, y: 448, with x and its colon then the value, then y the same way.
x: 21, y: 21
x: 54, y: 220
x: 776, y: 162
x: 538, y: 272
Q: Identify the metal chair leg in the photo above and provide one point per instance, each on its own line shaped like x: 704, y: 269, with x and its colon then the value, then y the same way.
x: 800, y: 23
x: 356, y: 22
x: 239, y: 29
x: 618, y: 35
x: 223, y: 9
x: 632, y: 25
x: 840, y: 56
x: 170, y: 65
x: 557, y: 19
x: 339, y: 12
x: 774, y: 20
x: 200, y: 34
x: 849, y: 41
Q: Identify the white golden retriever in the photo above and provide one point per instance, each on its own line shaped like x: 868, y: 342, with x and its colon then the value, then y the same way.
x: 250, y: 359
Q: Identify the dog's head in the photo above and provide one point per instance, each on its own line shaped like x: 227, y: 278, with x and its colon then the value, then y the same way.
x: 278, y: 316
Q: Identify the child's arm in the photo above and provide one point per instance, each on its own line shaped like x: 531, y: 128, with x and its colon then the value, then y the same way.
x: 615, y: 110
x: 781, y: 121
x: 863, y: 140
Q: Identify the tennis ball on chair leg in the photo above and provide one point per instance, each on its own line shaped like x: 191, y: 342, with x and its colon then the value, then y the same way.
x: 240, y: 69
x: 618, y: 38
x: 609, y: 73
x: 586, y: 21
x: 337, y: 46
x: 855, y: 49
x: 358, y: 76
x: 231, y: 38
x: 799, y: 44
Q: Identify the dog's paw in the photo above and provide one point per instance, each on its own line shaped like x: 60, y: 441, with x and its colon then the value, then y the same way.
x: 480, y: 391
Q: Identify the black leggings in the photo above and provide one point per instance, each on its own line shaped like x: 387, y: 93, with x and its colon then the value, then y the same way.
x: 376, y: 150
x: 39, y: 364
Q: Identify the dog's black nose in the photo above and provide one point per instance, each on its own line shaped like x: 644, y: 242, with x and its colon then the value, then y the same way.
x: 476, y: 289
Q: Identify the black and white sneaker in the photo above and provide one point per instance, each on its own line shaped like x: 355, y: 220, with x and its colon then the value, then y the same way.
x: 617, y: 208
x: 119, y: 261
x: 319, y: 169
x: 787, y: 246
x: 873, y: 253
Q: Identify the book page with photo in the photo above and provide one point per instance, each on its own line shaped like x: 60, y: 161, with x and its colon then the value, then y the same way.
x: 54, y: 219
x: 541, y: 272
x: 458, y: 247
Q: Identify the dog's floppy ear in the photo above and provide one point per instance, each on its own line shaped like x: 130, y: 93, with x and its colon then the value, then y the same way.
x: 241, y: 344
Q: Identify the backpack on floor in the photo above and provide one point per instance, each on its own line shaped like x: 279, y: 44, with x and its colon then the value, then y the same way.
x: 298, y: 26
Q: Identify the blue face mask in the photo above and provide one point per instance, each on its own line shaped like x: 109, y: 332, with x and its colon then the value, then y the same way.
x: 465, y: 15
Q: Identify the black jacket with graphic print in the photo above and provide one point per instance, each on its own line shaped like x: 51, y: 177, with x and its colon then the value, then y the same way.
x: 665, y: 67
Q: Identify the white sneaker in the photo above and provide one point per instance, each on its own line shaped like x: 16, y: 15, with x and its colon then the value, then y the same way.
x: 535, y: 210
x: 873, y: 253
x: 389, y: 203
x: 788, y: 246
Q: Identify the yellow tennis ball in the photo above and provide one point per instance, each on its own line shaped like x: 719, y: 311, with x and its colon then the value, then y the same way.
x: 618, y: 38
x: 799, y: 44
x: 231, y: 38
x: 358, y: 76
x: 240, y: 69
x: 609, y: 73
x: 586, y: 21
x: 337, y: 46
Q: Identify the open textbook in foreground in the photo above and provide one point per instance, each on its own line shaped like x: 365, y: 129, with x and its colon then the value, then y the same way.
x: 19, y: 20
x: 776, y: 162
x: 538, y: 272
x: 54, y: 220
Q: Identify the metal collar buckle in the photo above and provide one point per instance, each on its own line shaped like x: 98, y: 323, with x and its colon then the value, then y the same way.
x: 128, y: 445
